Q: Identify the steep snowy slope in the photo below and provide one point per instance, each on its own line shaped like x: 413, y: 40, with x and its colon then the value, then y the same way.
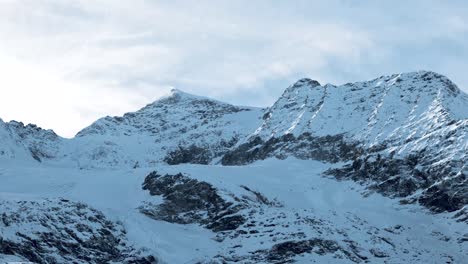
x: 406, y: 134
x: 180, y: 128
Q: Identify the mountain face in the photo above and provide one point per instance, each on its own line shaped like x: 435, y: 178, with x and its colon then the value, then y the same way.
x: 330, y: 174
x: 405, y: 134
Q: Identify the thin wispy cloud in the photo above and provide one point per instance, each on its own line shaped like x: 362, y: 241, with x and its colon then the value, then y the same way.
x: 67, y: 63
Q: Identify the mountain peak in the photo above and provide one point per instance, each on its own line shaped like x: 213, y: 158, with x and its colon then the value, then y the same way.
x: 177, y: 95
x: 303, y: 85
x: 177, y: 92
x: 306, y: 81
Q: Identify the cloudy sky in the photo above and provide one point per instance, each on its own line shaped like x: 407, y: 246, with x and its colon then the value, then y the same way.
x: 65, y: 63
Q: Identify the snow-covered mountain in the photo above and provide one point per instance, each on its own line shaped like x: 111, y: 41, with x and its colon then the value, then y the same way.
x: 406, y: 135
x: 315, y: 178
x: 401, y: 114
x: 179, y: 128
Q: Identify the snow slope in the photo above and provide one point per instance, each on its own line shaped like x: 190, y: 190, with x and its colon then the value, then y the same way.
x: 349, y: 226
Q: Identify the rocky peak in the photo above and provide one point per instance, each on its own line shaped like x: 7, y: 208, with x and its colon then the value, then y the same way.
x: 31, y: 130
x: 302, y: 86
x: 179, y: 98
x: 306, y: 81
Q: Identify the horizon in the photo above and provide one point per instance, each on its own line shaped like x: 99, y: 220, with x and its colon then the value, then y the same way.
x: 65, y: 65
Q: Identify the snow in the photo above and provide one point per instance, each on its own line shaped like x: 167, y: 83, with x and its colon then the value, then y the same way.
x: 297, y: 184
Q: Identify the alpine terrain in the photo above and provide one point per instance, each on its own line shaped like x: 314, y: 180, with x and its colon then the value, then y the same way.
x: 366, y: 172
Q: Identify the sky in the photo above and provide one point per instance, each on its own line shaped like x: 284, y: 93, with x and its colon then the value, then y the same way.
x: 64, y: 63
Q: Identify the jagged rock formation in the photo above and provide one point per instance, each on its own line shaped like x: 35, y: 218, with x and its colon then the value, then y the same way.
x: 188, y: 200
x: 61, y: 231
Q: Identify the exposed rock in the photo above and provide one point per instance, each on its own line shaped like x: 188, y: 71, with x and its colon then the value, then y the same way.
x: 328, y: 148
x: 192, y: 154
x: 443, y: 185
x: 378, y: 253
x: 188, y: 201
x: 198, y: 154
x: 462, y: 215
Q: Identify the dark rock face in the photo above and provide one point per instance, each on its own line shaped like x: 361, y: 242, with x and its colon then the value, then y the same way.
x: 192, y: 154
x: 443, y: 184
x: 328, y: 148
x: 60, y: 231
x: 188, y: 201
x: 199, y: 154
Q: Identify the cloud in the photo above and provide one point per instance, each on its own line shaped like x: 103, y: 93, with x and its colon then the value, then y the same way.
x: 67, y: 63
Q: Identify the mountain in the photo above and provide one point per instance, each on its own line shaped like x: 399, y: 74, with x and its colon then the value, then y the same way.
x: 371, y: 171
x: 179, y: 128
x: 400, y: 113
x: 405, y: 134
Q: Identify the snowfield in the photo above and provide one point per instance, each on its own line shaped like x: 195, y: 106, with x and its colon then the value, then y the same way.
x: 338, y: 211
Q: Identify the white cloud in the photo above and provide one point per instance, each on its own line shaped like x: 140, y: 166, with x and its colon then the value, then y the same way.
x: 67, y: 63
